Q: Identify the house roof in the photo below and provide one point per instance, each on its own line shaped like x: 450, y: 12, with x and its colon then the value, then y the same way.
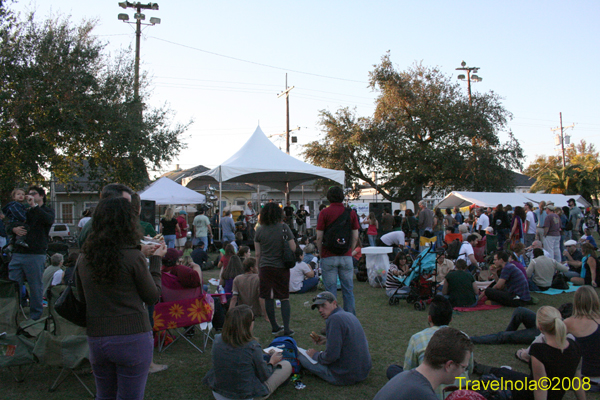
x: 522, y: 180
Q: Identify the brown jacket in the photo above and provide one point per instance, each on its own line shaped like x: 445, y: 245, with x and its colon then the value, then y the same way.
x: 119, y: 308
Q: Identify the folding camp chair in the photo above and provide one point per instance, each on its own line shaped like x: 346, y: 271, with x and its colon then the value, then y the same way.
x: 16, y: 346
x: 181, y: 308
x: 491, y: 245
x: 479, y: 250
x: 424, y: 241
x: 450, y: 237
x: 63, y: 344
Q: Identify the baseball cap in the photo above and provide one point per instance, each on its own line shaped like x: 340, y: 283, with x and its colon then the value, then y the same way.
x: 182, y: 212
x: 172, y: 254
x: 322, y: 298
x: 570, y: 243
x: 551, y: 207
x: 530, y: 204
x: 489, y: 229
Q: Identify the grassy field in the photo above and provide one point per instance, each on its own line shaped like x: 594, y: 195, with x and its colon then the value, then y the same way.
x: 388, y: 329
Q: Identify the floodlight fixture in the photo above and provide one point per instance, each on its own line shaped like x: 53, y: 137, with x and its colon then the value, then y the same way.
x: 123, y: 17
x: 139, y: 16
x: 123, y: 5
x: 154, y: 21
x: 461, y: 77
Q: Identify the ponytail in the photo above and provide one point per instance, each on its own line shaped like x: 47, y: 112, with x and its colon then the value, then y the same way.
x: 550, y: 322
x: 560, y: 331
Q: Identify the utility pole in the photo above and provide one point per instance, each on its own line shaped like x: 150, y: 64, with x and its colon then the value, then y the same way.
x: 286, y: 93
x: 562, y: 138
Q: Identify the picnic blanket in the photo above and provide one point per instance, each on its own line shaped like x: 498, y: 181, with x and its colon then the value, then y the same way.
x: 481, y: 306
x: 550, y: 292
x: 478, y: 307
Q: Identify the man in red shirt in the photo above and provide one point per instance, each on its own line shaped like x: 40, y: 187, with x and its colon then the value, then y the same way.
x: 333, y: 265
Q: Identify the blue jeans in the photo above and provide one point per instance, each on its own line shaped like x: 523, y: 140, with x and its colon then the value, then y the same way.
x: 203, y: 239
x: 228, y: 237
x: 170, y: 241
x: 512, y: 334
x: 30, y: 266
x: 322, y: 371
x: 341, y: 266
x: 307, y: 285
x: 372, y: 239
x: 121, y: 364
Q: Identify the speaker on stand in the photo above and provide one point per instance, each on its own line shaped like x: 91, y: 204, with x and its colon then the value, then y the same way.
x: 148, y: 213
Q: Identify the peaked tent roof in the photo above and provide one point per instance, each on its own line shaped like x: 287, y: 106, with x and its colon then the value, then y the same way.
x: 260, y: 161
x: 165, y: 191
x: 492, y: 199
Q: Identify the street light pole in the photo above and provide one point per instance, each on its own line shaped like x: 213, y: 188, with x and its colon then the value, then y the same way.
x: 469, y: 78
x: 139, y: 17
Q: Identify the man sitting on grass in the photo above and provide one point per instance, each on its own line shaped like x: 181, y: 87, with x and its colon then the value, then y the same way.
x: 511, y: 288
x: 446, y: 357
x: 440, y: 315
x: 346, y: 359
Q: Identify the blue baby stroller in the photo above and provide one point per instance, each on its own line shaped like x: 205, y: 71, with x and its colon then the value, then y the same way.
x: 420, y: 281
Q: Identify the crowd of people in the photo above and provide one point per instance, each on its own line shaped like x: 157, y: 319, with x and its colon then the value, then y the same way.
x: 120, y: 281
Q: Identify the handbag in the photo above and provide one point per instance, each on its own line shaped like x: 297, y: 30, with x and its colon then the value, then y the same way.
x: 289, y: 258
x: 68, y: 305
x: 560, y: 281
x: 413, y: 234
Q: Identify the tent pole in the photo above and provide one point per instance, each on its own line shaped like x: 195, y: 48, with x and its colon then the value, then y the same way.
x: 287, y: 192
x: 220, y: 205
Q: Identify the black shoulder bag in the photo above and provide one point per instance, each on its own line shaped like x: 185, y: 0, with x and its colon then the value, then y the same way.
x: 68, y: 306
x: 289, y: 258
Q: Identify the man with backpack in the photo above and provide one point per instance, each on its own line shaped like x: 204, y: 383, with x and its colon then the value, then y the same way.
x: 346, y: 359
x: 337, y: 234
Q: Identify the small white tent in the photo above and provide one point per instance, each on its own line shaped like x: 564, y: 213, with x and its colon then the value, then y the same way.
x: 259, y: 161
x: 492, y: 199
x: 164, y: 192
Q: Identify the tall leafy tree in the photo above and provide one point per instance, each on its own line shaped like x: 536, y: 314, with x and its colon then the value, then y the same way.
x: 580, y: 175
x: 67, y: 108
x: 423, y: 137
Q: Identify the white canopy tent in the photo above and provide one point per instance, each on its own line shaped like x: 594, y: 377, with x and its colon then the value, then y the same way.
x: 492, y: 199
x: 259, y: 161
x: 164, y: 192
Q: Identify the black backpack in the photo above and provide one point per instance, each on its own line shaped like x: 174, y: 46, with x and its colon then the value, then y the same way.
x: 337, y: 237
x: 453, y: 250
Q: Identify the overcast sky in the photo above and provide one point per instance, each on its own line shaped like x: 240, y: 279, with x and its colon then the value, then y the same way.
x: 223, y: 64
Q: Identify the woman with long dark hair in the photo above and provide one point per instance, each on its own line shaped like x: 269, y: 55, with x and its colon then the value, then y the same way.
x: 373, y: 227
x: 239, y: 369
x: 516, y: 231
x: 274, y: 276
x: 116, y: 284
x: 589, y: 267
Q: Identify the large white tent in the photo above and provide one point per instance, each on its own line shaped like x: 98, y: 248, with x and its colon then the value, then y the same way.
x: 164, y: 191
x: 259, y: 161
x: 492, y: 199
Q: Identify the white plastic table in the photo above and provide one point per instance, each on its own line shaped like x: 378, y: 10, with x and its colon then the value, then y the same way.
x: 378, y: 264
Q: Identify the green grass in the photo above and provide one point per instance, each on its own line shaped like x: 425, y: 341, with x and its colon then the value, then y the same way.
x: 388, y: 329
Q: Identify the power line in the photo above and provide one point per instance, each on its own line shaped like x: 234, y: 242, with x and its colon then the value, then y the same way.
x: 254, y: 62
